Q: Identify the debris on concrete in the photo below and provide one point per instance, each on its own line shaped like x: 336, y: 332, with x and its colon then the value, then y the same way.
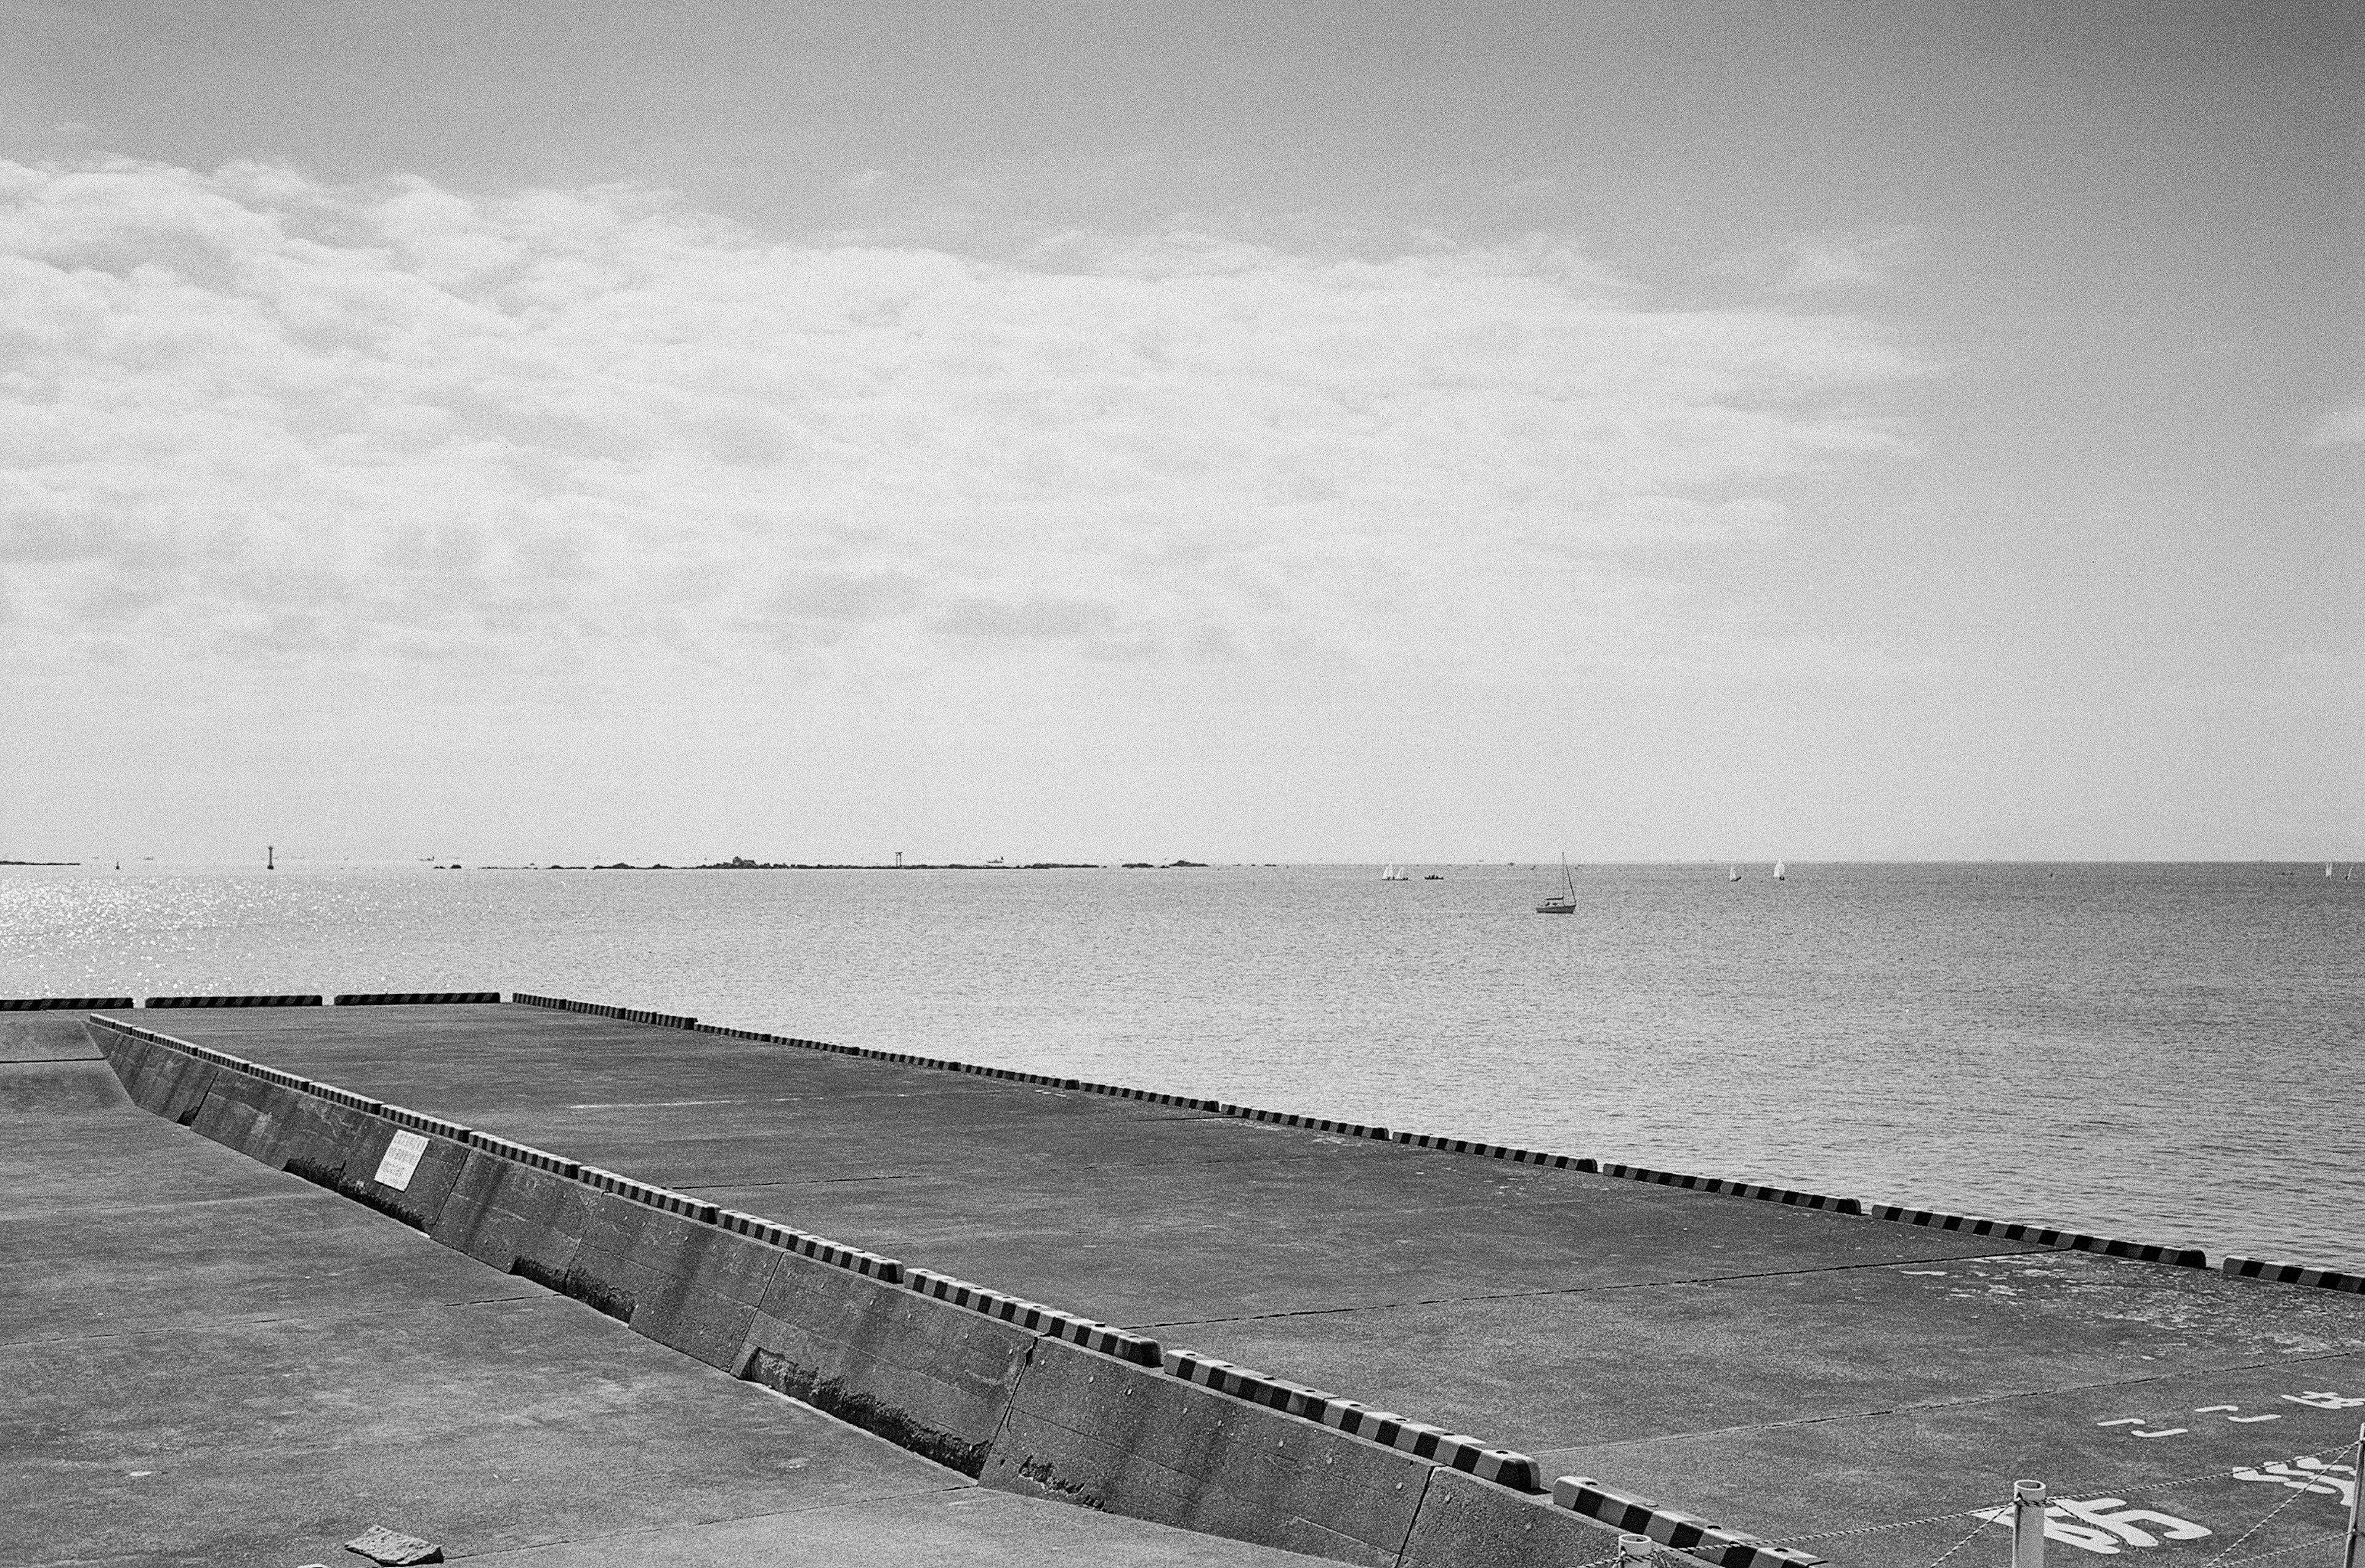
x: 380, y: 1544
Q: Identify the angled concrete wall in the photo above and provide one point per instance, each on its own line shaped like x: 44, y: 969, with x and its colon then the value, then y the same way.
x: 1024, y: 1398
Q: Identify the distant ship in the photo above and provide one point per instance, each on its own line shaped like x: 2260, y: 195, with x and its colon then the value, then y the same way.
x: 1733, y: 873
x: 1394, y: 874
x: 1779, y: 871
x: 1564, y: 901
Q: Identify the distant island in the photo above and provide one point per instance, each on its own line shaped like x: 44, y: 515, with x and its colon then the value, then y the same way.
x: 40, y: 862
x: 741, y: 863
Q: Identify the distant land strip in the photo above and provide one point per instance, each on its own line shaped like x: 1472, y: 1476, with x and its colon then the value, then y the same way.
x: 738, y: 864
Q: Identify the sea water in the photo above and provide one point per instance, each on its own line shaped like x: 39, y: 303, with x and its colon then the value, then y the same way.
x: 2163, y: 1052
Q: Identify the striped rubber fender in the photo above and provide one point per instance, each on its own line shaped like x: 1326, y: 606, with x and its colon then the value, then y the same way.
x: 348, y: 1099
x: 410, y: 998
x: 1638, y: 1516
x: 2043, y: 1236
x: 655, y: 1197
x: 61, y: 1003
x: 523, y: 1154
x: 1309, y: 1124
x: 231, y: 1001
x: 2293, y: 1274
x: 1036, y: 1318
x: 1454, y: 1451
x: 419, y: 1121
x: 887, y: 1271
x: 601, y: 1010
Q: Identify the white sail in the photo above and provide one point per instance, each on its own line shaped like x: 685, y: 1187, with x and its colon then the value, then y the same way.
x: 1779, y: 871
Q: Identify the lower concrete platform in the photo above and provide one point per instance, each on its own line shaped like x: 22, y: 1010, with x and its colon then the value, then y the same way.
x: 206, y: 1361
x: 1862, y: 1385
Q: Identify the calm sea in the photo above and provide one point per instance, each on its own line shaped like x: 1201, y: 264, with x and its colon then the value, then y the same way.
x: 2166, y: 1052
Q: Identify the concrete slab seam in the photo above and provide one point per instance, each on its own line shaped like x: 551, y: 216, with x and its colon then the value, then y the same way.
x: 2293, y: 1274
x: 1035, y: 1317
x: 1672, y: 1527
x: 1454, y: 1451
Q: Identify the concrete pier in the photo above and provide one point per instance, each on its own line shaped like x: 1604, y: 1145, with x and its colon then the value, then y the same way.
x: 1857, y: 1389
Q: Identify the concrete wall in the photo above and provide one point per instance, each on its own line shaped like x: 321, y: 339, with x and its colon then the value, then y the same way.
x: 1025, y: 1398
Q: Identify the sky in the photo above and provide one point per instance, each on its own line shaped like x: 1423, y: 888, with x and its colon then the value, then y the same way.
x: 1358, y: 433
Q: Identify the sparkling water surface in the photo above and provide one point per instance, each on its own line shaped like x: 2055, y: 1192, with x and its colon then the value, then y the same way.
x: 2163, y: 1052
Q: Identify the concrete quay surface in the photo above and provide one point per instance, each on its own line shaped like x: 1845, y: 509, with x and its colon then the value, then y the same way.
x: 1791, y: 1372
x: 210, y: 1361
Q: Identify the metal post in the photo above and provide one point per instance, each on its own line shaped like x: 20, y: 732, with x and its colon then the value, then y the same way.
x: 2028, y: 1507
x: 1635, y: 1548
x: 2352, y: 1549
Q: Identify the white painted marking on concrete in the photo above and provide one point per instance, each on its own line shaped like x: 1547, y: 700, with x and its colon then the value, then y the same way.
x: 2324, y: 1399
x: 2163, y: 1432
x: 2247, y: 1419
x: 2123, y: 1421
x: 401, y: 1160
x: 2213, y: 1409
x: 2104, y: 1526
x: 649, y: 1104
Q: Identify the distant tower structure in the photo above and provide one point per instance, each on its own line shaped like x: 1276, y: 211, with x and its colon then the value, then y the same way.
x: 899, y: 860
x: 267, y: 854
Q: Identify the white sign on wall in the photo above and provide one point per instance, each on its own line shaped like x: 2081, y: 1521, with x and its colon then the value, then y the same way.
x: 401, y: 1159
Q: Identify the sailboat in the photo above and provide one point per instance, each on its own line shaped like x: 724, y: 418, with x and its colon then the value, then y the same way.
x: 1779, y: 871
x: 1733, y: 873
x: 1564, y: 901
x: 1394, y: 874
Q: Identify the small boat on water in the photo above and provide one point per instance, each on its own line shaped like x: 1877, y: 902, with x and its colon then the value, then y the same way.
x: 1564, y: 901
x: 1394, y: 874
x: 1781, y: 871
x: 1733, y: 873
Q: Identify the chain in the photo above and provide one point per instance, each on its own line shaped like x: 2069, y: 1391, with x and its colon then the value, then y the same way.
x: 1875, y: 1530
x: 1986, y: 1515
x: 2263, y: 1520
x: 2334, y: 1452
x: 2282, y: 1551
x: 1966, y: 1540
x: 1685, y: 1553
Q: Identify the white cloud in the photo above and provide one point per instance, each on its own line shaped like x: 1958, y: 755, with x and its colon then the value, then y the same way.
x: 282, y: 420
x: 1856, y: 258
x: 2342, y: 427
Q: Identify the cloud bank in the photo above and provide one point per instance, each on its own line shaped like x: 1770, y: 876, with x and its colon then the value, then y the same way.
x: 293, y: 424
